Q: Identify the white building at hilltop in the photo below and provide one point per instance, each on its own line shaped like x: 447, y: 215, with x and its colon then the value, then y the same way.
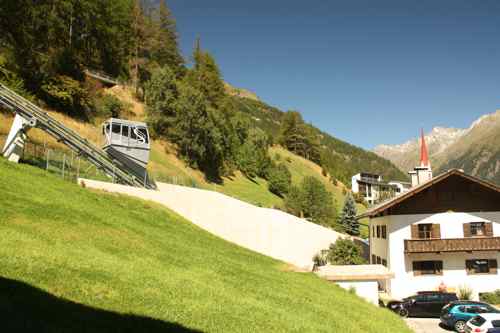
x: 443, y: 230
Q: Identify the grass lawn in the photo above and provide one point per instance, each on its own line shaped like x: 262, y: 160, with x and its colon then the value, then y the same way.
x: 80, y: 261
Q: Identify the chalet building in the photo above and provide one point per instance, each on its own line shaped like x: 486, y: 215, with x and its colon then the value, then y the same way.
x: 443, y: 230
x: 372, y: 187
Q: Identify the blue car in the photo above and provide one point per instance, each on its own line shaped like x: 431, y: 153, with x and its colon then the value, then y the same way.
x: 456, y: 314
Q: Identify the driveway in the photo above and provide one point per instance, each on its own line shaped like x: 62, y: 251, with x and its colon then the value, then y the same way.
x: 425, y: 325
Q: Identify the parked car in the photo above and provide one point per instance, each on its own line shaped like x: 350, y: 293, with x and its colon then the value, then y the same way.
x: 484, y: 323
x: 456, y: 314
x: 424, y: 304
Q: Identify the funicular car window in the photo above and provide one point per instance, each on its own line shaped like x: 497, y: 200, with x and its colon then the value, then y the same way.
x: 143, y: 135
x: 495, y: 323
x: 116, y: 128
x: 133, y: 134
x: 125, y: 131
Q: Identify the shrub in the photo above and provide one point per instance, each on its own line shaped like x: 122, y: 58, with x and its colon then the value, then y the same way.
x: 464, y: 292
x: 279, y: 179
x: 345, y: 252
x: 110, y: 106
x: 67, y: 95
x: 491, y: 298
x: 320, y: 258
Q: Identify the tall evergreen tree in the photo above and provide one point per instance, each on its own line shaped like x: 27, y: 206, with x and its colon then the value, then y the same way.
x: 165, y: 49
x: 206, y: 77
x: 348, y: 216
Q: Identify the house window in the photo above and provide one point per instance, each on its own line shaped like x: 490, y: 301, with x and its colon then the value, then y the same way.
x: 384, y: 232
x: 384, y: 262
x: 477, y: 229
x: 374, y: 259
x: 373, y: 231
x: 379, y: 260
x: 425, y: 231
x: 378, y: 231
x: 481, y: 266
x: 431, y: 267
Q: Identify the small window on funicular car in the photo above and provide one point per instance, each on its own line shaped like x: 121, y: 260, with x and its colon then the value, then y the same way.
x: 133, y: 134
x: 125, y: 131
x: 116, y: 128
x: 143, y: 135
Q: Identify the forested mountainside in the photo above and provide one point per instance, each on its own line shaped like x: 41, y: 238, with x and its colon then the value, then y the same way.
x: 476, y: 149
x: 338, y: 158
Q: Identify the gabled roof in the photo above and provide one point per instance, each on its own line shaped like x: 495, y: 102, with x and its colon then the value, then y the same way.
x: 375, y: 210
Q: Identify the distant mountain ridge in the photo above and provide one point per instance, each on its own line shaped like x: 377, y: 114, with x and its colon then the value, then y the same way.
x: 475, y: 149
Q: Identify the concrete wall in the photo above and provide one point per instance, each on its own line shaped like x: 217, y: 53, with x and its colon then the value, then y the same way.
x: 454, y: 274
x: 268, y: 231
x: 364, y: 289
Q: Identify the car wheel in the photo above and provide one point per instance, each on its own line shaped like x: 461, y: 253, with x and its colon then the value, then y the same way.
x: 403, y: 312
x: 460, y: 326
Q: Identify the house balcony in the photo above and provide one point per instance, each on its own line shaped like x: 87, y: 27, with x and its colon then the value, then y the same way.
x: 452, y: 245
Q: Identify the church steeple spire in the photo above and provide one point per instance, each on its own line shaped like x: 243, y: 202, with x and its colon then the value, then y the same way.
x: 424, y: 155
x: 423, y: 172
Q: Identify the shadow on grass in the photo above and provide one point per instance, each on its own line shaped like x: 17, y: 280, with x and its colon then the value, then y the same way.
x: 24, y: 308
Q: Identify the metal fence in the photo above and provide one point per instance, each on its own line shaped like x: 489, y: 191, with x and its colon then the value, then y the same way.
x: 66, y: 164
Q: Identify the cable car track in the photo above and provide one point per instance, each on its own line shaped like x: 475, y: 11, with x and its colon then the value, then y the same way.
x: 34, y: 116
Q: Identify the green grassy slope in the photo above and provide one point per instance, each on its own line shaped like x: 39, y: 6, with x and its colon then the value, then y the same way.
x: 75, y: 260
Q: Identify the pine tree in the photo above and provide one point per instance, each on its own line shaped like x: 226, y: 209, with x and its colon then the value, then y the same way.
x: 139, y: 33
x: 166, y: 49
x: 206, y: 77
x: 348, y: 217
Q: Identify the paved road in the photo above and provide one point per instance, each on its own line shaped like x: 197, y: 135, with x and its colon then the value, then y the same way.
x: 425, y: 325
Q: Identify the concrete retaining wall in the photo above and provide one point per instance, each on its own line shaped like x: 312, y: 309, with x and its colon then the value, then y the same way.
x: 267, y: 231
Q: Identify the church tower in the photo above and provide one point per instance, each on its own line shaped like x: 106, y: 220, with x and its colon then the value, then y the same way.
x: 422, y: 173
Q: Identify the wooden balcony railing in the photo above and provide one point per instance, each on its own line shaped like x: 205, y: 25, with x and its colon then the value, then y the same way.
x: 452, y: 245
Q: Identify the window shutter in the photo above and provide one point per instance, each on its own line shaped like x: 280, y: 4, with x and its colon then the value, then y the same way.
x: 414, y: 231
x: 493, y: 266
x: 416, y: 268
x: 436, y: 231
x: 469, y: 266
x: 439, y: 267
x: 488, y: 229
x: 467, y: 230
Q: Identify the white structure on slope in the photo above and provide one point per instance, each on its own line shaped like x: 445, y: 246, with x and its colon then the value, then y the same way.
x: 372, y: 187
x: 268, y: 231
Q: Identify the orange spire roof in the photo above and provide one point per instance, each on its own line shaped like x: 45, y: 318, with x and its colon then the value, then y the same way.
x: 424, y: 155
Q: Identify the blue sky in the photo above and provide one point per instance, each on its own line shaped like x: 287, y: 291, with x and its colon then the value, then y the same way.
x: 365, y: 71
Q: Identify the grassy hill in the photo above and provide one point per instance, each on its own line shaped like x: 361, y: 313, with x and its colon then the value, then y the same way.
x: 75, y: 260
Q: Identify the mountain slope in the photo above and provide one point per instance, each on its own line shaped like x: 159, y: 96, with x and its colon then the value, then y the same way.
x: 76, y: 260
x: 476, y: 149
x: 344, y: 160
